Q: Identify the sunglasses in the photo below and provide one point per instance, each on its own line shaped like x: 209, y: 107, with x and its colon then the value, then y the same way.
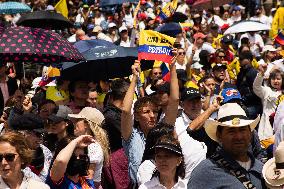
x: 181, y: 53
x: 221, y: 56
x: 8, y: 157
x: 157, y: 73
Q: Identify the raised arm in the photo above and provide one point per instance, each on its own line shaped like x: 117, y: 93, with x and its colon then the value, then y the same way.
x: 126, y: 117
x: 258, y: 89
x: 172, y: 107
x: 59, y: 166
x: 198, y: 122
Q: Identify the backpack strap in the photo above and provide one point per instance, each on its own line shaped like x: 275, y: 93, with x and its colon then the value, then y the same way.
x: 238, y: 173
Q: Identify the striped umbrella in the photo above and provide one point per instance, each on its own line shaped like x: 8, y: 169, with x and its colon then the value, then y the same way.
x: 13, y: 8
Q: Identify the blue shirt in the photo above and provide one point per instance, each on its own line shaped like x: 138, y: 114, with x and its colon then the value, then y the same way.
x: 66, y: 183
x: 134, y: 148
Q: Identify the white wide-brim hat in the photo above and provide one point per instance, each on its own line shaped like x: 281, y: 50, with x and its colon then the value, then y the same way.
x: 273, y: 169
x: 229, y: 115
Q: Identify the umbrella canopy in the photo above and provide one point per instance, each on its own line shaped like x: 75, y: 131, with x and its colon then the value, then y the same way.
x: 84, y: 45
x: 13, y: 8
x: 18, y: 44
x: 209, y: 4
x: 170, y: 29
x: 246, y: 26
x: 104, y: 63
x: 104, y: 3
x: 44, y: 19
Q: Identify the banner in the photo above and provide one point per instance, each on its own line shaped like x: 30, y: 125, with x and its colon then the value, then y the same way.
x: 61, y: 7
x: 155, y: 46
x: 168, y: 10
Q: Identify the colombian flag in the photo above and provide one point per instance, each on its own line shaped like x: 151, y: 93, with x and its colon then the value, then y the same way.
x: 168, y: 10
x: 280, y: 38
x: 165, y: 72
x: 155, y: 46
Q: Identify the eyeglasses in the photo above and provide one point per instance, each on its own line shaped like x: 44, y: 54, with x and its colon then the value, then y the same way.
x: 8, y: 157
x: 221, y: 56
x: 181, y: 53
x: 157, y: 73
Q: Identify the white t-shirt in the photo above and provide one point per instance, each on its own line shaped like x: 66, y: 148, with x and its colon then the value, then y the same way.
x: 263, y: 19
x: 256, y: 38
x: 154, y: 183
x: 95, y: 153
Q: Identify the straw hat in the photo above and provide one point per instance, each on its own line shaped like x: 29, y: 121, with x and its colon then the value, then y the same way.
x: 273, y: 169
x: 229, y: 115
x: 90, y: 114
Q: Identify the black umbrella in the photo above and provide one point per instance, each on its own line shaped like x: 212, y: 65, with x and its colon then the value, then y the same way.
x: 44, y: 19
x: 170, y: 29
x: 104, y: 63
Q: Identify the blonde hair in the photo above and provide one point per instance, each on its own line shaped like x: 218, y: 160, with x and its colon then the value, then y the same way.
x: 101, y: 137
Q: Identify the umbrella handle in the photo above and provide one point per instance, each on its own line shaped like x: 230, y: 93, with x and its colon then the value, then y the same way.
x: 24, y: 71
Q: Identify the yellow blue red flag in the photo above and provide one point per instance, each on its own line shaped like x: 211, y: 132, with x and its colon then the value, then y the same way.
x: 168, y: 10
x: 155, y: 46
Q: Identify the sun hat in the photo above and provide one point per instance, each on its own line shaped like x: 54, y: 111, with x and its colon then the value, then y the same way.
x: 89, y: 114
x: 230, y: 94
x: 269, y: 48
x: 190, y: 94
x: 229, y: 115
x: 273, y: 169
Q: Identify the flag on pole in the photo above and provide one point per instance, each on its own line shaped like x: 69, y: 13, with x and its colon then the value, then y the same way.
x: 168, y: 10
x: 61, y: 7
x: 155, y: 46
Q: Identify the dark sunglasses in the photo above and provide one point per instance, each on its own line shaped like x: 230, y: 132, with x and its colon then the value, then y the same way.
x: 157, y: 73
x: 181, y: 53
x: 8, y: 157
x: 221, y: 56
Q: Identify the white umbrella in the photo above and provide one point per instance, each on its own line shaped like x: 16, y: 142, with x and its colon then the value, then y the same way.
x: 246, y: 26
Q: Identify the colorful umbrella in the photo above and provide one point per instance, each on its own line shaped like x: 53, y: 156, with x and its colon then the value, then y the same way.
x: 44, y: 19
x: 25, y: 44
x: 13, y: 8
x: 209, y: 4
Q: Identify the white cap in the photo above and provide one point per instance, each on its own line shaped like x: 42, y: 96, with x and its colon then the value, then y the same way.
x: 122, y: 28
x: 110, y: 25
x: 196, y: 65
x: 268, y: 48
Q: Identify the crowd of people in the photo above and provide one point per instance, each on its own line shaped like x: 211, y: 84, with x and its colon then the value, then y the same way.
x: 216, y: 122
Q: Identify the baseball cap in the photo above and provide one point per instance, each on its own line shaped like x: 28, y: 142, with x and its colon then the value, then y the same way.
x: 61, y: 114
x: 90, y: 26
x: 86, y: 6
x: 190, y: 94
x: 122, y: 28
x: 216, y: 66
x: 230, y: 94
x: 199, y: 35
x: 110, y: 25
x: 227, y: 39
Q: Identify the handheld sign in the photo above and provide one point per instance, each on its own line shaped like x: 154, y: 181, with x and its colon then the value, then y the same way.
x: 155, y: 46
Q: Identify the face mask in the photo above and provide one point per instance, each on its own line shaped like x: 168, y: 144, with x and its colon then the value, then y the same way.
x: 77, y: 166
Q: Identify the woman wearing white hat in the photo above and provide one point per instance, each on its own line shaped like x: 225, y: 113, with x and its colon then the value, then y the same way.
x: 273, y: 169
x: 89, y: 122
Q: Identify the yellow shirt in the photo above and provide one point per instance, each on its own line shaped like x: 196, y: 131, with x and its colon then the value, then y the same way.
x: 53, y: 93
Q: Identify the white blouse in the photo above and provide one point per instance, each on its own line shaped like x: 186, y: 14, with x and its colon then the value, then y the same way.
x: 154, y: 183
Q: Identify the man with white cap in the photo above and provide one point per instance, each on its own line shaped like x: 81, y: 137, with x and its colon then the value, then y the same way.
x: 124, y: 39
x: 232, y: 165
